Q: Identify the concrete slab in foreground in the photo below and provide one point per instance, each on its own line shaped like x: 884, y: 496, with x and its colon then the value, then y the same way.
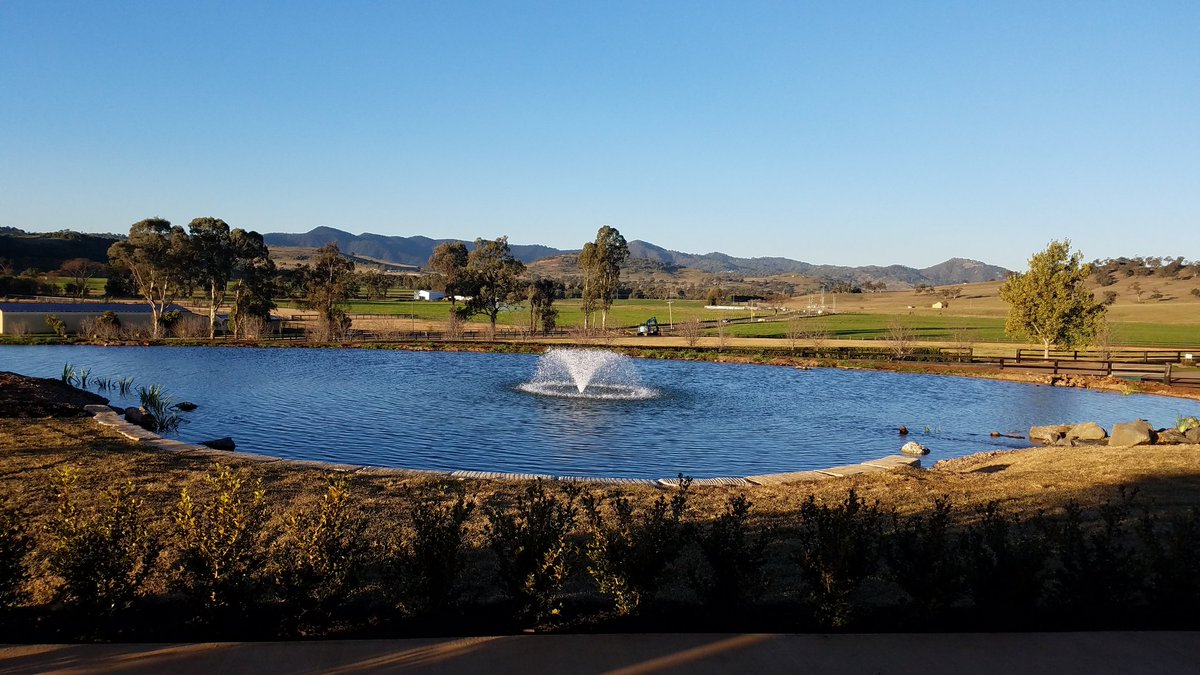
x: 921, y: 654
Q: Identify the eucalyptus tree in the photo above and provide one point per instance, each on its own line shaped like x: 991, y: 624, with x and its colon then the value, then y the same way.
x: 449, y: 261
x: 494, y: 276
x: 254, y: 281
x: 328, y: 281
x: 601, y: 261
x: 541, y: 293
x: 155, y: 256
x: 1051, y: 302
x: 213, y: 258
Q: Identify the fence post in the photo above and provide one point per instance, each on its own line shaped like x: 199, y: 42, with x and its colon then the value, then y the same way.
x: 1167, y: 374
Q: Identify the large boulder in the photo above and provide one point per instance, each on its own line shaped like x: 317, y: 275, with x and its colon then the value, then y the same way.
x: 914, y: 448
x: 1048, y: 435
x: 1193, y: 435
x: 1138, y: 432
x: 1088, y: 431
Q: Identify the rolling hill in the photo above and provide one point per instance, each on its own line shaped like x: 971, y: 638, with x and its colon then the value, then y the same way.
x: 417, y: 249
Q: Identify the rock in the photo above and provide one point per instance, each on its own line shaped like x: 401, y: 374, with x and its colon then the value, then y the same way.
x: 1049, y: 435
x: 903, y: 430
x: 117, y: 409
x: 1132, y: 433
x: 994, y: 434
x: 1171, y: 437
x: 185, y: 406
x: 1088, y: 431
x: 914, y: 448
x: 140, y: 417
x: 225, y: 443
x: 1193, y: 435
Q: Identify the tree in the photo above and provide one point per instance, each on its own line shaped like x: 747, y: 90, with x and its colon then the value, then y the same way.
x: 327, y: 282
x: 1051, y: 302
x: 155, y: 256
x: 79, y: 271
x: 375, y: 284
x: 601, y: 263
x: 493, y: 275
x: 254, y: 285
x: 449, y: 261
x: 212, y: 261
x: 541, y: 294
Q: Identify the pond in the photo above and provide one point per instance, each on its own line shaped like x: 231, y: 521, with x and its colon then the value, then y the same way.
x: 447, y: 411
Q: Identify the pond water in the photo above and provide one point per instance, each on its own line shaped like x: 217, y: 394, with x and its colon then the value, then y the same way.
x: 446, y: 411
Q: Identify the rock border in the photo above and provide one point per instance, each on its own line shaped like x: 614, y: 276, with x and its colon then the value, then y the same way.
x: 106, y: 416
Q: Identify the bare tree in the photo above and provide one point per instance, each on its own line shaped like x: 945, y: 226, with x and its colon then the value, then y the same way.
x: 794, y: 329
x: 690, y: 331
x: 722, y: 335
x: 899, y: 338
x: 1104, y: 340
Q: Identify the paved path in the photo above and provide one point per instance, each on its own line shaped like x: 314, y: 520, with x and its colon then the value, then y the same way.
x: 923, y: 654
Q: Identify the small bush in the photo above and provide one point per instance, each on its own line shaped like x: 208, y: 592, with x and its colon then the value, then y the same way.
x: 1005, y: 558
x: 57, y: 325
x: 925, y: 561
x: 1097, y: 569
x: 69, y: 375
x: 839, y: 549
x: 220, y: 556
x: 734, y: 556
x: 102, y: 556
x: 321, y: 555
x: 15, y: 543
x: 1172, y: 555
x: 532, y: 545
x: 628, y: 552
x: 431, y: 559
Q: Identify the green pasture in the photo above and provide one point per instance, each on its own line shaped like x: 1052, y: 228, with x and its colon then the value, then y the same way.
x: 624, y: 313
x: 946, y: 328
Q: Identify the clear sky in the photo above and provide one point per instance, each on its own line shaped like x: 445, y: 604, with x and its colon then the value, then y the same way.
x: 833, y: 132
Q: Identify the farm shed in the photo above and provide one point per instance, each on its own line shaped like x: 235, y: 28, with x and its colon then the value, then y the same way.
x: 29, y: 318
x: 430, y: 295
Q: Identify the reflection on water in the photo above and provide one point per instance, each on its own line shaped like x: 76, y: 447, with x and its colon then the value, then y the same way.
x: 434, y: 410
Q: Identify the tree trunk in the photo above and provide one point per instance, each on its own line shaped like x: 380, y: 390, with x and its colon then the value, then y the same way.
x: 1046, y: 349
x: 212, y: 310
x: 155, y: 315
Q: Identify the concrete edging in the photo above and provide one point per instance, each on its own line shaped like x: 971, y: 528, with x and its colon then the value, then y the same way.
x: 106, y: 416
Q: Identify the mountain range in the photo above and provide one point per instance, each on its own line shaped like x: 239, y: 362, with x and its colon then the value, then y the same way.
x: 417, y: 249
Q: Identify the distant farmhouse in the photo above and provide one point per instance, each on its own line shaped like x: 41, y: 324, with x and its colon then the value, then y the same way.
x: 28, y: 318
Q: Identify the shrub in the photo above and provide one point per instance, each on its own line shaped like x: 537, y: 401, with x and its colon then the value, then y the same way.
x: 532, y: 546
x: 15, y: 543
x: 924, y: 560
x: 734, y: 557
x: 431, y: 559
x: 220, y: 556
x: 1005, y: 559
x: 1096, y: 570
x: 1172, y: 556
x: 57, y: 325
x: 321, y: 555
x: 839, y: 549
x: 69, y: 375
x: 102, y: 556
x: 628, y: 552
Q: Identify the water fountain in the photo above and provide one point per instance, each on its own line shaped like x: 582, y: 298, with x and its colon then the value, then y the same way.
x: 587, y: 373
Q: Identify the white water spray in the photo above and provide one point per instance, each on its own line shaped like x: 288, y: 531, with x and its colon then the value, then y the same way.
x: 587, y: 373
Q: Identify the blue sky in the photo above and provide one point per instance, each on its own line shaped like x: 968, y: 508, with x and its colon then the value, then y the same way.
x: 832, y: 132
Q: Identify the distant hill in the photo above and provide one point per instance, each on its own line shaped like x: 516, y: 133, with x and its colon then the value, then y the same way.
x: 46, y: 251
x: 404, y: 250
x: 417, y: 249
